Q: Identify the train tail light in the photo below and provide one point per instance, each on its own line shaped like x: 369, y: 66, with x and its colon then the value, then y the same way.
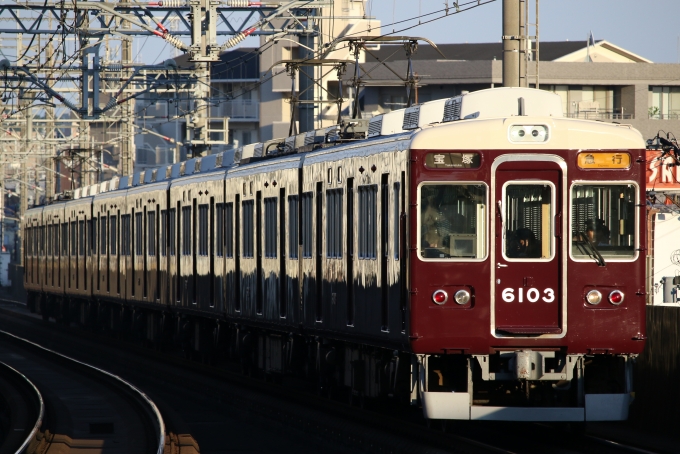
x: 594, y: 297
x: 462, y: 297
x: 440, y: 297
x: 616, y: 297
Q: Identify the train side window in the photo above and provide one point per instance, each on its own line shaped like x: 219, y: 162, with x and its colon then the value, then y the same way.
x: 219, y: 230
x: 452, y: 220
x: 139, y: 234
x: 125, y: 234
x: 164, y: 233
x: 102, y: 234
x: 81, y: 238
x: 90, y: 237
x: 74, y: 238
x: 293, y: 232
x: 248, y: 228
x: 334, y: 223
x: 270, y: 226
x: 396, y: 191
x: 113, y: 244
x: 368, y: 218
x: 307, y: 213
x: 604, y: 219
x: 186, y: 230
x: 29, y: 241
x: 48, y: 240
x: 56, y: 243
x: 203, y: 229
x: 528, y: 221
x: 151, y: 231
x: 42, y: 240
x: 64, y: 239
x: 229, y: 229
x: 172, y: 227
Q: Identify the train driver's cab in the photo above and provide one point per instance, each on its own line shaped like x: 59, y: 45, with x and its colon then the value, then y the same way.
x: 452, y: 221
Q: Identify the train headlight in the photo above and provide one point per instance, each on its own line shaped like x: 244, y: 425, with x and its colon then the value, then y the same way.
x: 528, y: 133
x: 462, y: 297
x: 440, y: 297
x: 594, y: 297
x: 616, y: 297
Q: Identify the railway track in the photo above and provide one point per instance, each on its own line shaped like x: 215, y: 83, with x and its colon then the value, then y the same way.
x: 86, y: 408
x: 21, y: 410
x: 348, y: 429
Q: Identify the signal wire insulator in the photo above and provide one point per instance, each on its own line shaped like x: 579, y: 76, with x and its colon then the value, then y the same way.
x: 242, y: 3
x: 171, y: 3
x: 174, y: 41
x: 237, y: 38
x: 114, y: 67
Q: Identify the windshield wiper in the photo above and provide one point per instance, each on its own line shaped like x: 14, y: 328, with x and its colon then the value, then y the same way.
x: 591, y: 247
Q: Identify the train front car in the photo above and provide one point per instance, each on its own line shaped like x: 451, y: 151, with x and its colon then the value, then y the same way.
x: 527, y: 266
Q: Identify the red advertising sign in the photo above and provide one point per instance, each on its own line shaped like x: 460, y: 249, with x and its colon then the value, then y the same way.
x: 662, y: 174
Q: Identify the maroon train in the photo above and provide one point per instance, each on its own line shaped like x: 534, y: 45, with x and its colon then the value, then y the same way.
x: 481, y: 257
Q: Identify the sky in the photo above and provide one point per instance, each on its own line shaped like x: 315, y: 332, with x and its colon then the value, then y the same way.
x: 649, y: 28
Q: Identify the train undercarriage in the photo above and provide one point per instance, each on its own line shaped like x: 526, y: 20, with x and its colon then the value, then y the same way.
x: 530, y: 385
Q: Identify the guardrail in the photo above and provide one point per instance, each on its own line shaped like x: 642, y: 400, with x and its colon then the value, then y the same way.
x: 600, y: 115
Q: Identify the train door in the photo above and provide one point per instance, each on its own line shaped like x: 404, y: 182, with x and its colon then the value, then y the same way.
x: 528, y: 258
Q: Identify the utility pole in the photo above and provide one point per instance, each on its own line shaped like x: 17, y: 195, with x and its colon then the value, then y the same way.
x: 127, y: 144
x: 511, y: 43
x: 306, y: 79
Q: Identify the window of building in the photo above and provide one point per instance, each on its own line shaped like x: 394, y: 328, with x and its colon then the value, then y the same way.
x: 139, y: 234
x: 293, y: 202
x: 368, y: 218
x: 664, y: 103
x: 151, y: 232
x: 203, y: 229
x: 229, y: 229
x: 186, y: 230
x: 248, y: 228
x: 334, y: 223
x: 270, y: 229
x: 307, y: 213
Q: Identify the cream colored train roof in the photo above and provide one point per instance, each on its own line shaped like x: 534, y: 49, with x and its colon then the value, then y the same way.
x: 493, y: 134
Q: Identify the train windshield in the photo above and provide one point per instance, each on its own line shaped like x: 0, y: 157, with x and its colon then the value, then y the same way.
x: 603, y: 220
x: 453, y: 221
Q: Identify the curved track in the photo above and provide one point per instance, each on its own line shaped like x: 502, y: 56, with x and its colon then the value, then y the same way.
x: 86, y: 407
x: 23, y: 410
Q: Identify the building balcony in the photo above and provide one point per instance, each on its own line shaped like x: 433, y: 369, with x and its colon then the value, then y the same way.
x: 600, y: 115
x: 237, y: 110
x: 672, y: 115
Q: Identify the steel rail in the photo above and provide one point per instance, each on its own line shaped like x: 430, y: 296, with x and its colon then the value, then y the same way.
x: 154, y: 409
x: 41, y: 412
